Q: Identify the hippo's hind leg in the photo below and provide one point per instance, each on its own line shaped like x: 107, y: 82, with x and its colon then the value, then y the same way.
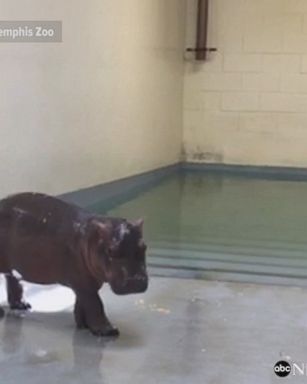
x: 2, y: 313
x: 3, y: 269
x: 15, y: 293
x: 4, y: 236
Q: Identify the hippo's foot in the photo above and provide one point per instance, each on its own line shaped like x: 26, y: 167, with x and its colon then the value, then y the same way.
x: 20, y: 306
x: 106, y: 331
x: 101, y: 331
x: 1, y: 312
x: 89, y: 313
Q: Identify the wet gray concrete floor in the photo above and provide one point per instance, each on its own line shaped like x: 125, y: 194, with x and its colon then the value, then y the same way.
x: 180, y: 331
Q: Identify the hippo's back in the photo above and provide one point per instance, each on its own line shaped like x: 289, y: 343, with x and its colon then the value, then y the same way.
x: 37, y: 211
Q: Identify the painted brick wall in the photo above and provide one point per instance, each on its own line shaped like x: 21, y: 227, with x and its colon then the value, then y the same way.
x: 248, y: 103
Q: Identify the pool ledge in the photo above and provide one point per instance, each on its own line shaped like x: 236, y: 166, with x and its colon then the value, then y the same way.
x: 262, y: 172
x: 115, y: 192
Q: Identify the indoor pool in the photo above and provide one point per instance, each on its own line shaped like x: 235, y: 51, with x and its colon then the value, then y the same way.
x: 215, y: 226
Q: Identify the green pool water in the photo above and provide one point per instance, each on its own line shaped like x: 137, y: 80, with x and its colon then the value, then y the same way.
x: 216, y: 226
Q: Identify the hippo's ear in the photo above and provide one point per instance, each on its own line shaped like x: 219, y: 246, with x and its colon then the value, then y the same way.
x: 139, y: 224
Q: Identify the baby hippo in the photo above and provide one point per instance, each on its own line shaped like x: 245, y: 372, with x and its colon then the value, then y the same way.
x: 44, y: 240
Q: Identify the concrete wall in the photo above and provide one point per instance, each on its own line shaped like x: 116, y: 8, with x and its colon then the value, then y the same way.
x: 248, y: 104
x: 104, y: 104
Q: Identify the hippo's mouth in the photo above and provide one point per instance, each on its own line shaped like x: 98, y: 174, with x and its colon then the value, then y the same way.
x: 137, y: 284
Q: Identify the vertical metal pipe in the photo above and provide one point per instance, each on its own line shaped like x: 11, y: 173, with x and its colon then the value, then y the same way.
x: 202, y: 29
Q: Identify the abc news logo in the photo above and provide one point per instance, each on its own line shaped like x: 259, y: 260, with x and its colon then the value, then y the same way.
x: 283, y: 369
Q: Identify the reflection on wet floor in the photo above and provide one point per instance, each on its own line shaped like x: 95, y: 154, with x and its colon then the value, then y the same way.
x: 43, y: 358
x: 43, y: 346
x: 180, y: 331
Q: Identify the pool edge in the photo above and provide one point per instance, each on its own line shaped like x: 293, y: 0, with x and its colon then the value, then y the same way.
x: 119, y: 188
x: 263, y: 171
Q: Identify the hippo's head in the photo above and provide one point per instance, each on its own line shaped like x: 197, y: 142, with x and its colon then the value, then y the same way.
x: 117, y: 253
x: 126, y: 261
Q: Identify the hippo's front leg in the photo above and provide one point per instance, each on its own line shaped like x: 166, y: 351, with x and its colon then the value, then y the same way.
x: 79, y: 314
x: 89, y: 313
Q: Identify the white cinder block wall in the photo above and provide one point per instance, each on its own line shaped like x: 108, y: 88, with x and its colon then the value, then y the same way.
x: 104, y: 104
x: 248, y: 104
